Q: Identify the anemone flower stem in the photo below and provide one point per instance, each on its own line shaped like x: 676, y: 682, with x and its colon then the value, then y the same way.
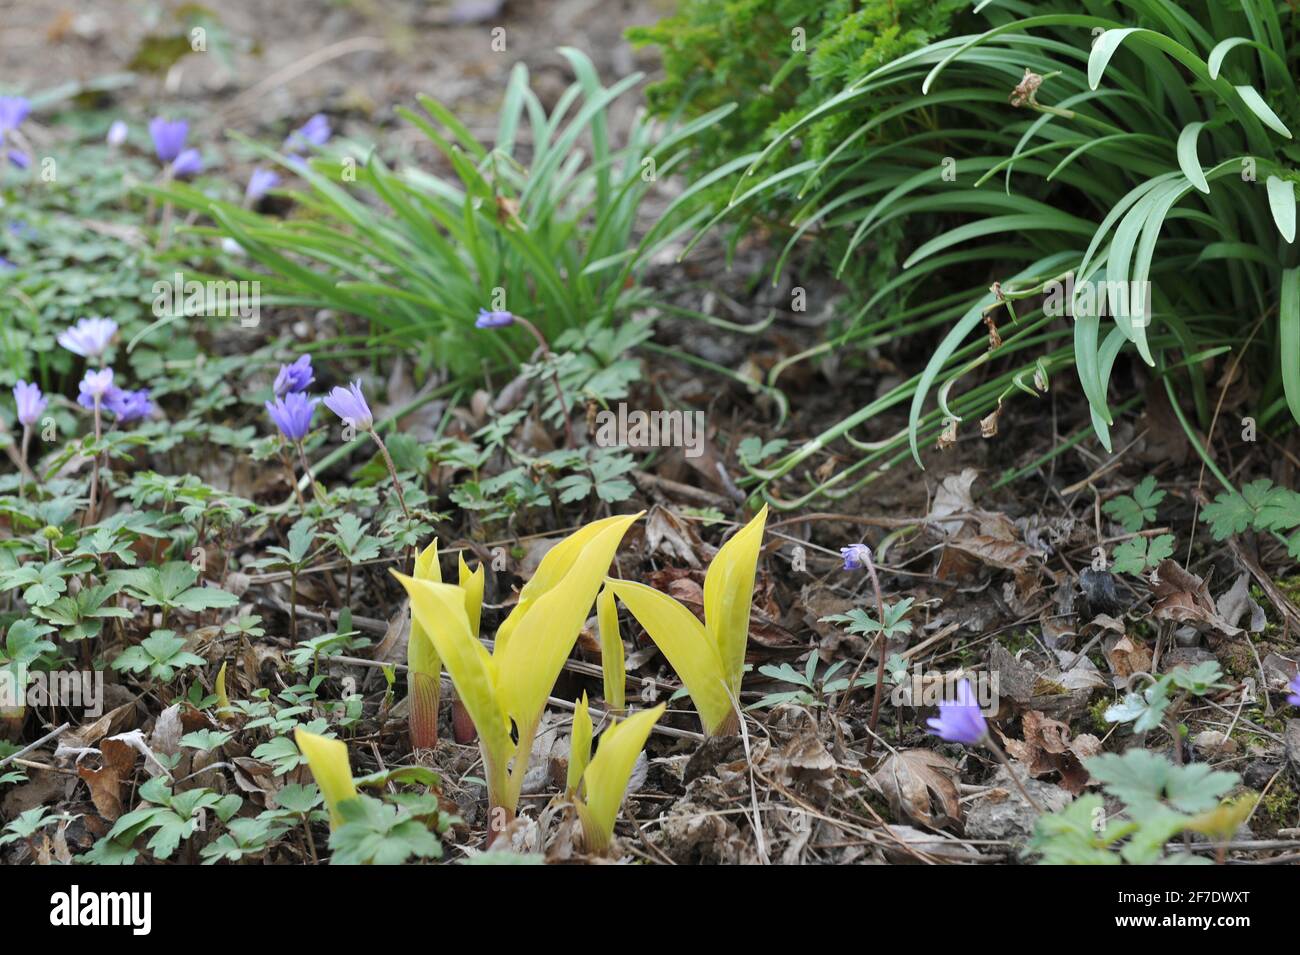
x: 555, y: 377
x: 880, y: 662
x: 94, y: 471
x: 293, y: 478
x: 306, y: 470
x: 996, y: 750
x: 293, y: 603
x: 392, y: 470
x: 23, y: 469
x: 165, y: 225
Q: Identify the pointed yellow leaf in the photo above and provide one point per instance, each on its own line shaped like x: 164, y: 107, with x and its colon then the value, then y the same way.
x: 550, y: 571
x: 223, y: 701
x: 611, y: 651
x: 421, y: 656
x: 328, y: 761
x: 440, y: 610
x: 728, y: 593
x: 472, y: 583
x: 545, y: 634
x: 426, y: 563
x: 579, y: 746
x: 605, y: 781
x: 681, y: 638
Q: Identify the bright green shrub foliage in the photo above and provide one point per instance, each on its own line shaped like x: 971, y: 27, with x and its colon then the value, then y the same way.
x: 776, y: 59
x: 750, y: 52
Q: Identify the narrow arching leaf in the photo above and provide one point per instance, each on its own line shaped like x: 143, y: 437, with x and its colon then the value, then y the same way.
x: 1289, y: 319
x: 1187, y: 161
x: 1281, y: 202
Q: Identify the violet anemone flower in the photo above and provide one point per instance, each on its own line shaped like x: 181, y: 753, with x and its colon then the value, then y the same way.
x: 31, y: 403
x: 94, y: 386
x: 961, y: 720
x: 487, y: 319
x: 188, y: 163
x: 13, y: 110
x: 855, y: 556
x: 127, y: 406
x: 260, y: 183
x: 168, y: 138
x: 314, y: 132
x: 89, y: 337
x: 350, y: 405
x: 1294, y: 687
x: 292, y: 414
x: 294, y: 377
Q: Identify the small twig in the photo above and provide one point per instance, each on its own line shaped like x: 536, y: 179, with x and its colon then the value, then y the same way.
x: 53, y: 734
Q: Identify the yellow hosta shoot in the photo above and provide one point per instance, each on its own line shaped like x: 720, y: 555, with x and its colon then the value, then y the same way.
x: 612, y: 666
x: 605, y: 781
x: 223, y: 701
x: 709, y: 658
x: 579, y: 746
x: 423, y: 666
x: 509, y: 687
x: 328, y: 761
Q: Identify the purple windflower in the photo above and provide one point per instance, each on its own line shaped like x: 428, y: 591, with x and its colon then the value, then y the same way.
x: 95, y: 385
x: 19, y: 159
x: 292, y: 414
x: 89, y: 337
x: 350, y: 405
x: 6, y: 264
x: 314, y: 132
x: 294, y: 377
x: 128, y: 405
x: 260, y: 183
x: 1294, y: 687
x: 960, y: 721
x: 116, y: 133
x: 168, y: 137
x: 13, y: 110
x: 855, y: 556
x: 31, y: 403
x: 188, y: 163
x: 488, y: 319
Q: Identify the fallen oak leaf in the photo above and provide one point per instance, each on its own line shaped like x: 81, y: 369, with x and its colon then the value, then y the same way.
x: 917, y: 782
x: 105, y: 783
x: 1183, y: 597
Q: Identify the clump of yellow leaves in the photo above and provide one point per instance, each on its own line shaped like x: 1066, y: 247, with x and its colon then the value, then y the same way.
x: 507, y: 689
